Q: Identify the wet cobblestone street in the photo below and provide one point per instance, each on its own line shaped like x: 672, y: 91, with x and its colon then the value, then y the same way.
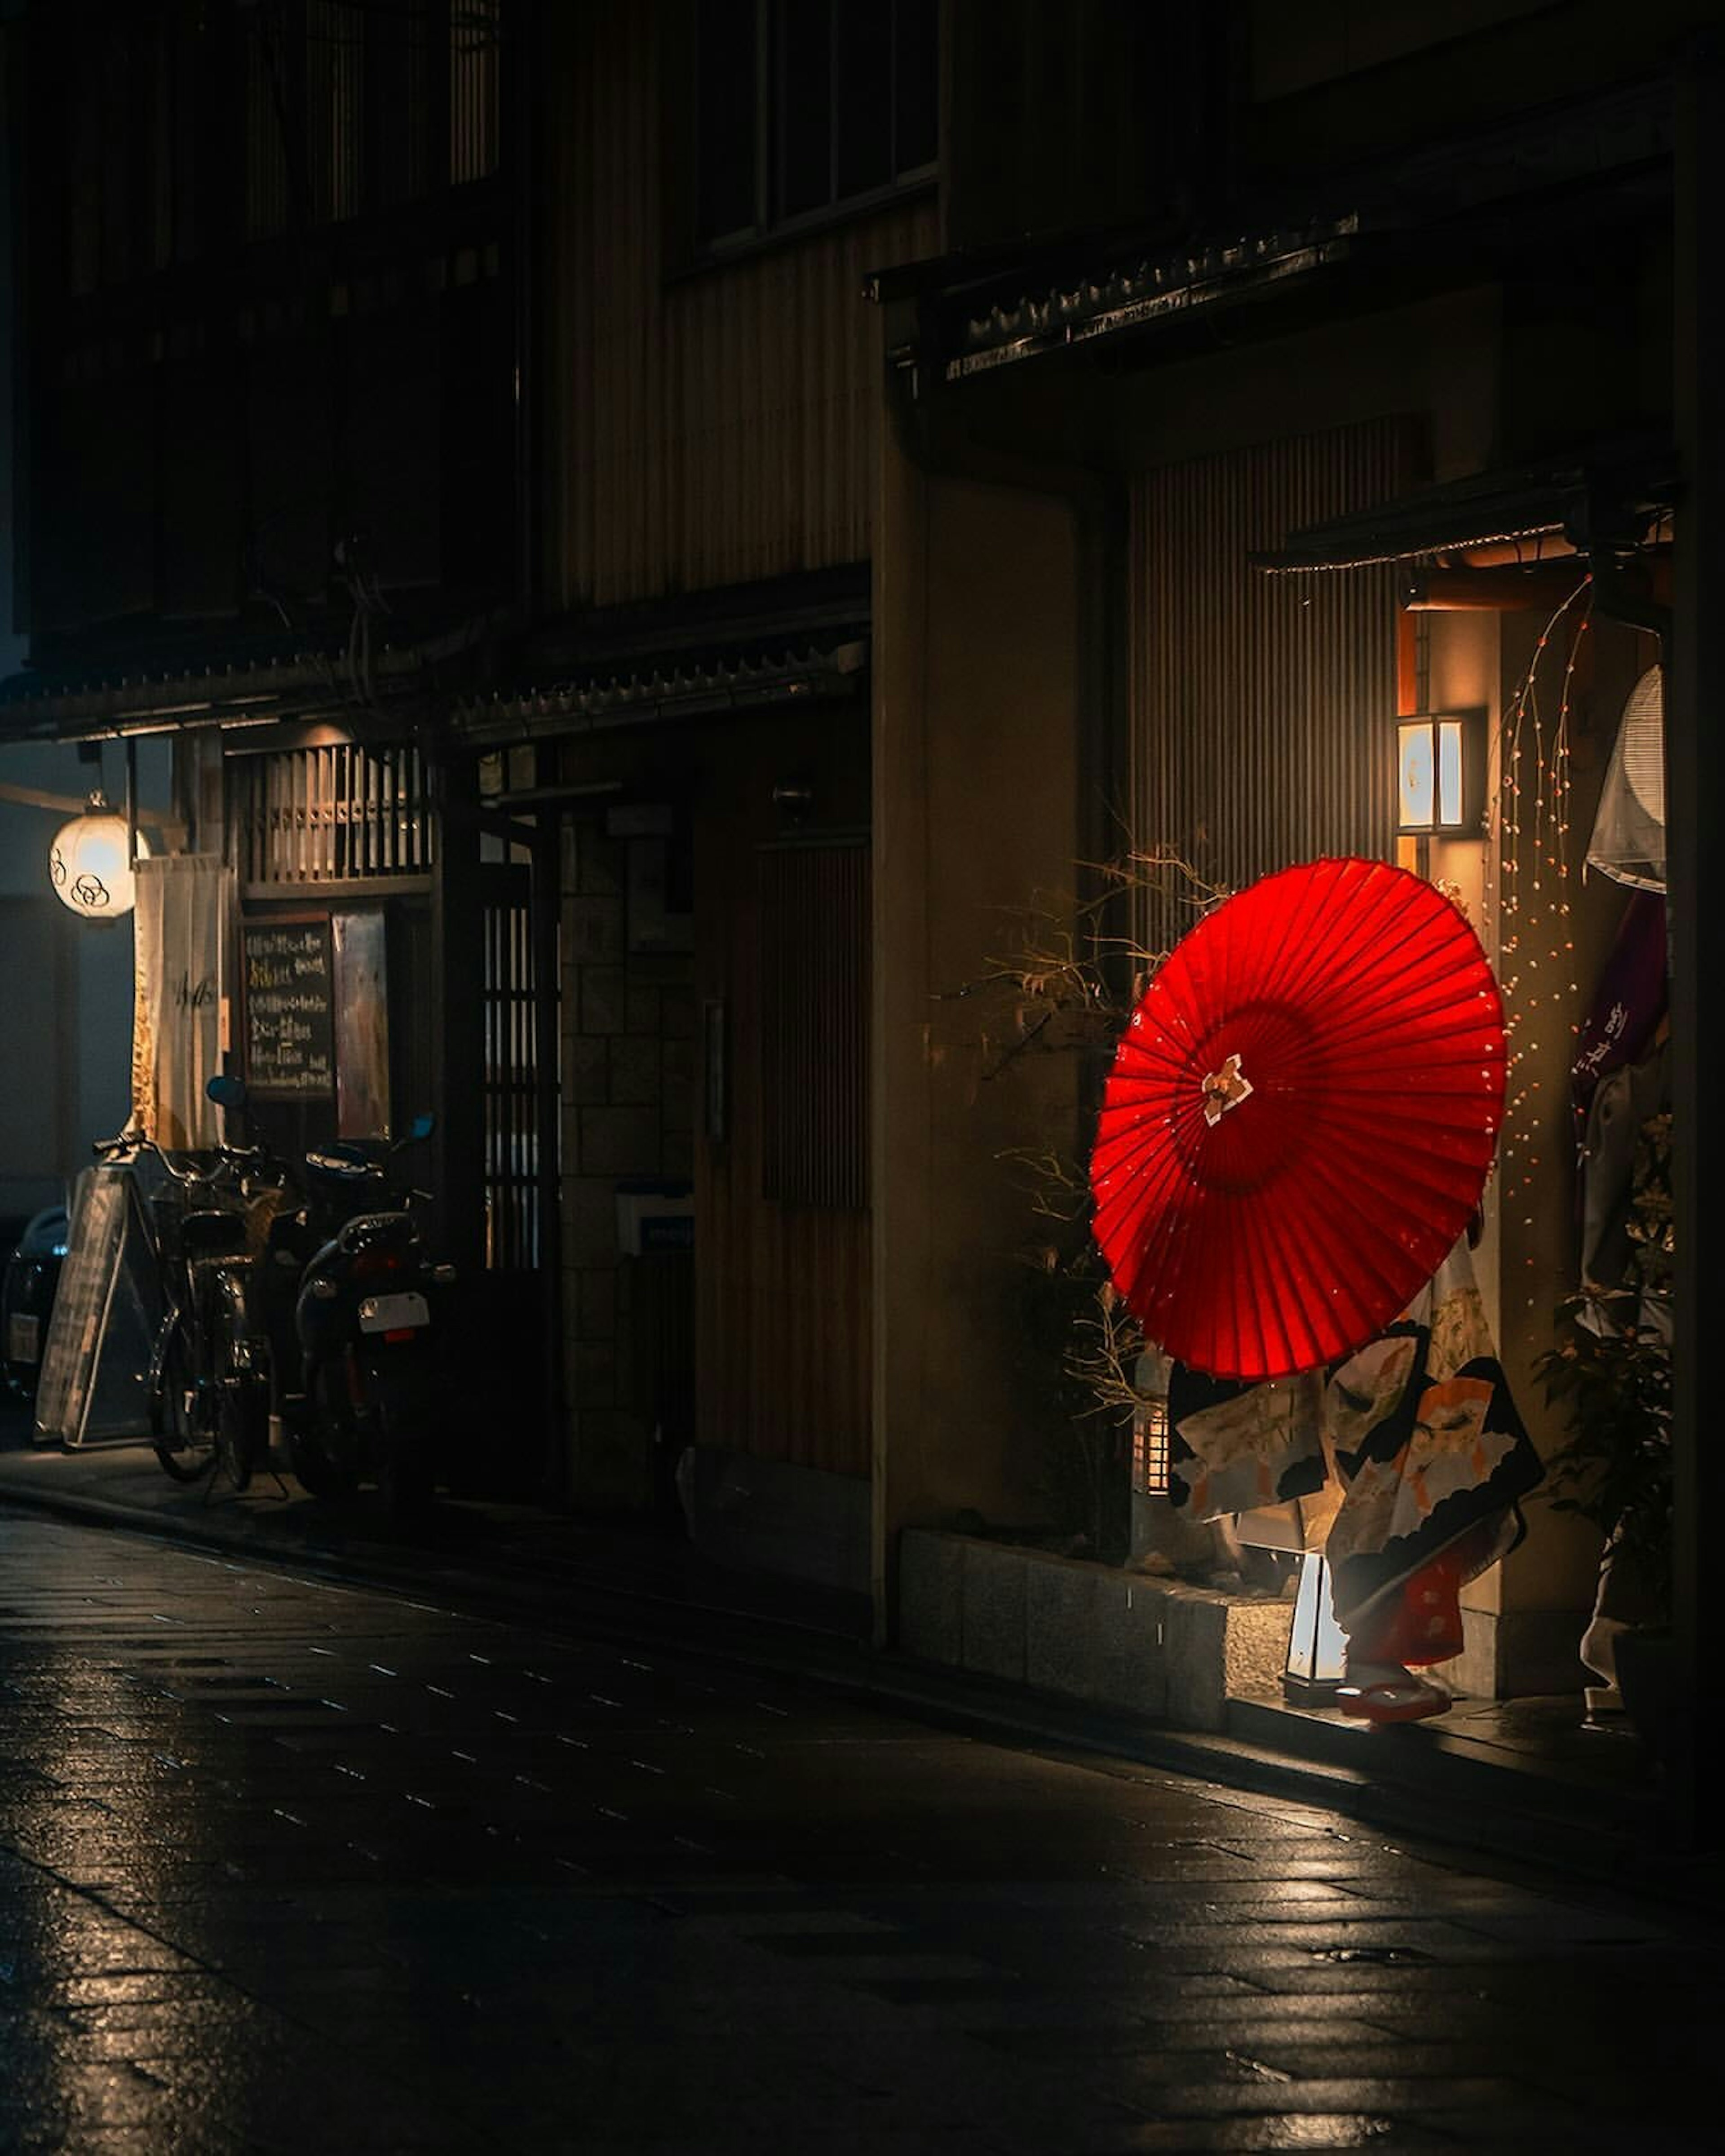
x: 287, y: 1866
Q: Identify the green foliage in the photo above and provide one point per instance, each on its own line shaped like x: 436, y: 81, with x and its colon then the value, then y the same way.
x: 1615, y: 1384
x: 1084, y: 1469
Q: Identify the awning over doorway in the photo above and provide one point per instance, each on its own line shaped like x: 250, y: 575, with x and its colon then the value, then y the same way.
x: 1610, y: 497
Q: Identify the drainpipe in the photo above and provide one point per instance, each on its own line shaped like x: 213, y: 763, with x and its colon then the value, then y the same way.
x: 1694, y: 795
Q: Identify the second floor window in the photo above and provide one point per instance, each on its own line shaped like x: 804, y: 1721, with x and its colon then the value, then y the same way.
x: 344, y: 100
x: 802, y: 105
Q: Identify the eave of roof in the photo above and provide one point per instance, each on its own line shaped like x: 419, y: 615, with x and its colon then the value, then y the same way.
x: 595, y: 704
x: 139, y: 697
x: 1148, y: 290
x: 979, y: 313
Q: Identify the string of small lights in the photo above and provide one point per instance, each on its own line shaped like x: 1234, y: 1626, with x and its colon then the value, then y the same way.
x: 1534, y: 876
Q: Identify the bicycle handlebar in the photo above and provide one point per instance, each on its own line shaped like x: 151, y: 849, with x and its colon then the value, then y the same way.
x: 133, y: 1142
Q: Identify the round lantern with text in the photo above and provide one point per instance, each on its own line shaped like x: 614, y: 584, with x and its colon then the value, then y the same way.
x: 89, y: 864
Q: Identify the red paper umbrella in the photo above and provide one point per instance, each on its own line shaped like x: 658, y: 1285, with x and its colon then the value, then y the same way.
x: 1300, y: 1118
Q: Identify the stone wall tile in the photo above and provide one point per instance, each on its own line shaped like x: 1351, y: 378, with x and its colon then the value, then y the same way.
x: 586, y: 1069
x: 589, y: 1220
x: 604, y: 1000
x: 931, y: 1595
x: 620, y: 1142
x: 1060, y: 1626
x: 593, y: 930
x: 993, y: 1614
x: 634, y: 1070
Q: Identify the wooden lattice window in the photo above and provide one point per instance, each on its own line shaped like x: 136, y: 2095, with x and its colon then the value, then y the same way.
x: 475, y: 31
x: 511, y: 1072
x: 336, y: 814
x: 814, y: 1025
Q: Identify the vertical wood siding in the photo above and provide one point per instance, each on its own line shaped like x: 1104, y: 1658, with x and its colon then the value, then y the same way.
x: 815, y: 1006
x: 475, y: 27
x: 1262, y: 706
x: 713, y: 428
x: 781, y: 1286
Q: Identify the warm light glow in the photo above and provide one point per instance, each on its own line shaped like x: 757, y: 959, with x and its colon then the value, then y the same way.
x: 1415, y: 776
x: 1317, y: 1649
x: 89, y: 864
x: 1432, y: 782
x: 1449, y: 763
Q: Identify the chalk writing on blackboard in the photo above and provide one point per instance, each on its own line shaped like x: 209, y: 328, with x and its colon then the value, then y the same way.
x: 289, y: 1032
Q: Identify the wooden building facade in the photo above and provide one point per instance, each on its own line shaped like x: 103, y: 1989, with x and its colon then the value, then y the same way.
x: 689, y: 716
x: 1355, y: 408
x: 271, y: 355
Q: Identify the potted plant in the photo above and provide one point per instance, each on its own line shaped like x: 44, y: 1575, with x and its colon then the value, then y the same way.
x: 1611, y: 1373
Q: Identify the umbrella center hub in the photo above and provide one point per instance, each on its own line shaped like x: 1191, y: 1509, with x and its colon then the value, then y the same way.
x: 1224, y: 1089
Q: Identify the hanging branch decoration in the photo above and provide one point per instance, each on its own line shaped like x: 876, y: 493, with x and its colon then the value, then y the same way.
x: 1067, y: 985
x: 1072, y: 983
x: 1536, y: 873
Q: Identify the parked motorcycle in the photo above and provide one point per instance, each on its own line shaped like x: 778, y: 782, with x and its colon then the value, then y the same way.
x: 346, y: 1310
x: 32, y: 1273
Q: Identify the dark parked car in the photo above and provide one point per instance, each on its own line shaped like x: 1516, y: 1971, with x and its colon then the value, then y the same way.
x: 33, y: 1273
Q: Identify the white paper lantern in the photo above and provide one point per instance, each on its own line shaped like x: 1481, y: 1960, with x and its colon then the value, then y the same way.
x: 90, y: 863
x: 1628, y: 841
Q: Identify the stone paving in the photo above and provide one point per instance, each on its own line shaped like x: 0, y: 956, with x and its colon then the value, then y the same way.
x: 291, y: 1866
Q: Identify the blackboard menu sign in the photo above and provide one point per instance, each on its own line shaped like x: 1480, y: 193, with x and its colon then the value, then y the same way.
x: 290, y: 1000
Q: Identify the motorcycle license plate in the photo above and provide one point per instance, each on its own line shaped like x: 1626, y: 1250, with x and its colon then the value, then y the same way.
x: 23, y: 1335
x: 393, y: 1313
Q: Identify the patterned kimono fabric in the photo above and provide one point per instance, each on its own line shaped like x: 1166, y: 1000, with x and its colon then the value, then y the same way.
x: 1404, y: 1463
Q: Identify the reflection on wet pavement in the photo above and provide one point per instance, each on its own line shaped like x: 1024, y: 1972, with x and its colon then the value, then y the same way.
x: 288, y: 1865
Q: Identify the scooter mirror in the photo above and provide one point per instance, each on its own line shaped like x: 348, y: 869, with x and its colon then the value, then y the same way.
x: 421, y: 1126
x: 225, y: 1091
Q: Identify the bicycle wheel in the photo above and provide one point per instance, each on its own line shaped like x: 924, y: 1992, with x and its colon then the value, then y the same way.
x: 242, y: 1429
x: 316, y: 1472
x: 184, y: 1451
x: 316, y: 1467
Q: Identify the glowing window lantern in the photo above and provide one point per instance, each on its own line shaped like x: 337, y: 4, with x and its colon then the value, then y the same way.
x: 89, y: 864
x: 1317, y: 1646
x: 1150, y: 1428
x: 1438, y: 766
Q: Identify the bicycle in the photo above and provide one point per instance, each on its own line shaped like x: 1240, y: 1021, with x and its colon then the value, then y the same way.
x: 208, y: 1401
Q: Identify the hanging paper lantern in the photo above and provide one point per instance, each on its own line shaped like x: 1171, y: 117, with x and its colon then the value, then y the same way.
x: 90, y: 863
x: 1628, y: 841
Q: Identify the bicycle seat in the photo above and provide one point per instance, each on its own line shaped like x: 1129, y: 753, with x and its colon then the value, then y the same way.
x: 339, y: 1167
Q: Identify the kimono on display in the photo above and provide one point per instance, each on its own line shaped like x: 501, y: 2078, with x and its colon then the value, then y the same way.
x: 1620, y: 1091
x: 1404, y: 1463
